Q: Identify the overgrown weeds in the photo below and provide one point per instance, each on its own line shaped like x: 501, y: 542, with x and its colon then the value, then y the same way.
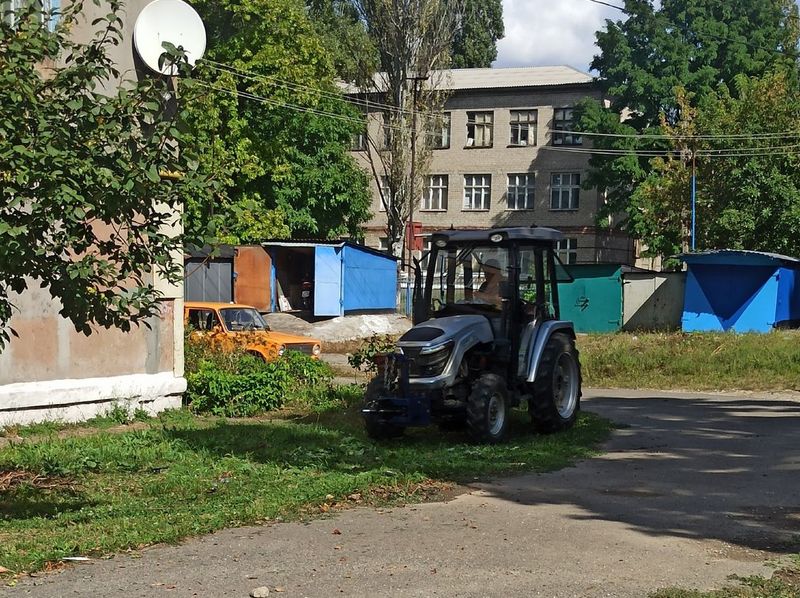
x: 692, y: 361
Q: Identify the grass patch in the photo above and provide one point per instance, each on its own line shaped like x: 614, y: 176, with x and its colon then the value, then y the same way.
x: 184, y: 475
x: 784, y: 583
x: 692, y: 361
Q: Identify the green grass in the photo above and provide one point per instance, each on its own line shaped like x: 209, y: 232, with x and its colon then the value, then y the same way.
x: 695, y: 361
x: 183, y: 475
x: 784, y: 583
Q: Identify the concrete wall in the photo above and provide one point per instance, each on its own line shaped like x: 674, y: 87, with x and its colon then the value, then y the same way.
x: 653, y: 300
x: 502, y: 159
x: 53, y: 372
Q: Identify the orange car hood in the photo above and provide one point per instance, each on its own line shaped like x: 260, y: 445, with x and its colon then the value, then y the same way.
x: 284, y: 338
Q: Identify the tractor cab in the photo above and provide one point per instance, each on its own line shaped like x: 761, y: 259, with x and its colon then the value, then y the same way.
x: 486, y: 319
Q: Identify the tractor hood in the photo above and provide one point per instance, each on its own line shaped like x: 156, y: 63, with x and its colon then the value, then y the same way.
x: 439, y: 330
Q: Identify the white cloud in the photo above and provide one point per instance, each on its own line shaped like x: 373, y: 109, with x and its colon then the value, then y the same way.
x: 551, y: 32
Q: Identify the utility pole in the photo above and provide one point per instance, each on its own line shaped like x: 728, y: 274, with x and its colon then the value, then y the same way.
x: 694, y: 198
x: 413, y: 175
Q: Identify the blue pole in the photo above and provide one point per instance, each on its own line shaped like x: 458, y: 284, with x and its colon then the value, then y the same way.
x: 694, y: 202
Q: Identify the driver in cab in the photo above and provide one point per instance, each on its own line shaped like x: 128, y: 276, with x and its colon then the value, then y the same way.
x: 493, y: 279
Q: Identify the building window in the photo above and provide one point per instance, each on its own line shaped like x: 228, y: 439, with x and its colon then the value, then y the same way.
x: 440, y: 131
x: 434, y: 196
x: 358, y: 142
x: 567, y: 251
x: 477, y: 191
x: 383, y: 244
x: 384, y: 194
x: 387, y: 132
x: 520, y: 191
x: 562, y: 121
x: 523, y: 127
x: 48, y: 11
x: 565, y: 188
x: 479, y: 129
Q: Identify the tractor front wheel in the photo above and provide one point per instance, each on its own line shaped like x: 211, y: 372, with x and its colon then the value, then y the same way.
x: 377, y: 428
x: 488, y: 410
x: 557, y: 388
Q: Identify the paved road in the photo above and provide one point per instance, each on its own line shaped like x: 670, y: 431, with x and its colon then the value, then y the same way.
x: 693, y: 488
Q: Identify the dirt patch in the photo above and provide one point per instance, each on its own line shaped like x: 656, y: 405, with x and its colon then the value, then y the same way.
x: 17, y: 477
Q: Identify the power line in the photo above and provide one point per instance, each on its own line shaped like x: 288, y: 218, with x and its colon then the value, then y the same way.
x: 278, y: 82
x: 661, y: 136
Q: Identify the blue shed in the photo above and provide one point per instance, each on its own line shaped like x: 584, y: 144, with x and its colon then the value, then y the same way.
x: 343, y: 277
x: 744, y: 291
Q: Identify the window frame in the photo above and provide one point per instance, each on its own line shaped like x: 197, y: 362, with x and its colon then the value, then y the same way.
x: 573, y: 188
x: 484, y: 125
x: 518, y: 126
x: 443, y: 188
x: 564, y: 123
x: 529, y: 198
x: 485, y: 188
x: 569, y: 251
x: 442, y: 129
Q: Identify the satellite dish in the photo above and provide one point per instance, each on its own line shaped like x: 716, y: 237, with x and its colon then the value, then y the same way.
x: 171, y: 21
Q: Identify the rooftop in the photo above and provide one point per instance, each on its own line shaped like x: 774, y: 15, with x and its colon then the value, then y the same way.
x: 499, y: 78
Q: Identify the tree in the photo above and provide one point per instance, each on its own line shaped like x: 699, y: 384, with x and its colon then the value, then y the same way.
x: 86, y: 210
x: 699, y: 46
x: 475, y: 41
x: 748, y: 198
x: 277, y: 128
x: 413, y: 39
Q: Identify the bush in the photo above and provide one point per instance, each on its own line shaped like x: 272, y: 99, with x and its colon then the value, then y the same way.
x: 364, y: 358
x: 237, y: 384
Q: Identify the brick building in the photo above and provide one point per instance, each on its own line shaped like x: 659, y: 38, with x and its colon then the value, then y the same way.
x: 499, y: 160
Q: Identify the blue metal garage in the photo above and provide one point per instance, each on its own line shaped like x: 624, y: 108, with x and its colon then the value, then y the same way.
x: 744, y: 291
x: 345, y: 277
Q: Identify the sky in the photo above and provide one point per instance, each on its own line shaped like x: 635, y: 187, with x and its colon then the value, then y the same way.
x: 552, y: 32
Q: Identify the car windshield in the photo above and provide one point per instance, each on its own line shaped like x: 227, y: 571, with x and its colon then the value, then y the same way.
x: 242, y: 318
x: 472, y: 275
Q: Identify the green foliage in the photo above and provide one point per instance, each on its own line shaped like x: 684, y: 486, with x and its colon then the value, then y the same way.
x: 86, y: 213
x: 364, y: 358
x: 475, y: 41
x: 695, y: 56
x: 211, y: 390
x: 695, y: 44
x: 236, y: 384
x: 282, y: 171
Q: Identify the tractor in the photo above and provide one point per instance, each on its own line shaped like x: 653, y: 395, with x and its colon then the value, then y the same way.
x: 486, y: 338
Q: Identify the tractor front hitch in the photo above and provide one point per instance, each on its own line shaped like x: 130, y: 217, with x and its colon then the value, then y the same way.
x: 397, y: 404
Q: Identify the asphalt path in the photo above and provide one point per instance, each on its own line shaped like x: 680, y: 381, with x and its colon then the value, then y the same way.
x: 691, y: 489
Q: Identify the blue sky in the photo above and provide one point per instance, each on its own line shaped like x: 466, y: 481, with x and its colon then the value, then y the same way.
x: 551, y: 32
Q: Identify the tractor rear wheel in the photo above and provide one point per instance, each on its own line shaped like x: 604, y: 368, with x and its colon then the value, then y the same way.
x: 488, y: 410
x: 557, y: 388
x: 377, y: 428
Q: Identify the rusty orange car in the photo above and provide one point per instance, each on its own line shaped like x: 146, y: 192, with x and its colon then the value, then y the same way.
x: 234, y: 324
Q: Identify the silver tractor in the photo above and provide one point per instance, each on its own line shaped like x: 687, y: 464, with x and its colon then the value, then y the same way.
x: 487, y: 337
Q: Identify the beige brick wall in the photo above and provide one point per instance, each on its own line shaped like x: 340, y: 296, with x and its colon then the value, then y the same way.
x: 501, y: 160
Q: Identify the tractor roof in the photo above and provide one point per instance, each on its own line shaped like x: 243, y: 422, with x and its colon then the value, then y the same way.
x: 534, y: 234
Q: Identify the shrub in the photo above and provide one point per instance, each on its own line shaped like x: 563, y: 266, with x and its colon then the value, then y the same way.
x: 234, y: 383
x: 213, y: 390
x: 364, y: 357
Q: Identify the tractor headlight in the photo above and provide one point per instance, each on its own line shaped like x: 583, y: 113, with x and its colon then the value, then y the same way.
x: 431, y: 361
x: 316, y: 350
x: 281, y: 350
x: 496, y: 238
